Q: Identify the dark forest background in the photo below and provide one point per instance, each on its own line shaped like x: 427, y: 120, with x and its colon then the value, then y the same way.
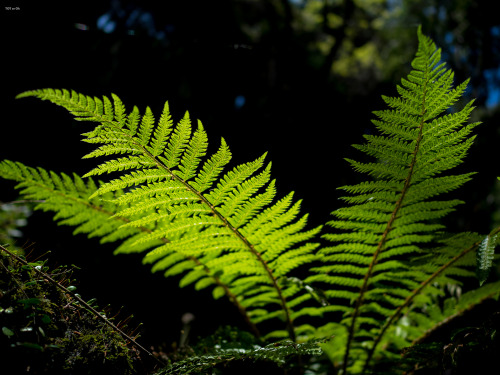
x: 297, y: 78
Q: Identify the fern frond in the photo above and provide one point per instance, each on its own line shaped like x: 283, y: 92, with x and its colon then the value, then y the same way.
x: 456, y: 253
x: 485, y: 255
x: 178, y: 142
x: 393, y: 218
x: 206, y: 227
x: 453, y: 307
x: 279, y: 353
x: 162, y: 131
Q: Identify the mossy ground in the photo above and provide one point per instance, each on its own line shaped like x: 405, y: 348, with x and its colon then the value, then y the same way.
x: 45, y: 330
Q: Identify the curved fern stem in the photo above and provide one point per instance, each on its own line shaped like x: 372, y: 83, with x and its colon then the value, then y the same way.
x: 232, y: 298
x: 417, y: 291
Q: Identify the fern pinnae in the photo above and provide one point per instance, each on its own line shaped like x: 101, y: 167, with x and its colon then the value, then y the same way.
x: 232, y: 179
x: 248, y: 210
x: 150, y: 191
x: 465, y: 303
x: 195, y: 151
x: 212, y: 168
x: 177, y: 143
x: 120, y: 164
x: 119, y: 109
x: 133, y: 178
x: 68, y: 197
x: 132, y: 120
x: 243, y: 192
x: 162, y: 131
x: 146, y: 127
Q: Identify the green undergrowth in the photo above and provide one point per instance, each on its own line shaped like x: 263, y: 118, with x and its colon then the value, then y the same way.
x: 46, y: 331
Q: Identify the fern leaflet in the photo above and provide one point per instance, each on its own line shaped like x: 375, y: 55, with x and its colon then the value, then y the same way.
x: 485, y: 255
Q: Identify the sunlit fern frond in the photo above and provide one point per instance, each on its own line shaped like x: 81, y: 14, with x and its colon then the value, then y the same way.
x: 394, y: 217
x: 214, y: 229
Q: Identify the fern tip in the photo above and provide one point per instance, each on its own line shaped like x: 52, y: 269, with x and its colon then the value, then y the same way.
x: 200, y: 126
x: 25, y: 94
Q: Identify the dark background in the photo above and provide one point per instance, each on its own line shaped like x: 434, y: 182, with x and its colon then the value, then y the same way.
x: 296, y: 78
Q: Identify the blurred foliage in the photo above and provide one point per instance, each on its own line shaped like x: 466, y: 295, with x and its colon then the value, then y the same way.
x: 12, y: 218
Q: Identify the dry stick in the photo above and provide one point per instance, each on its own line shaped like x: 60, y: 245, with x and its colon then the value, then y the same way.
x: 85, y: 304
x: 416, y: 291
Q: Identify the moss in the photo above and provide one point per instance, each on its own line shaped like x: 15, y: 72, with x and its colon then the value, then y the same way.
x: 44, y: 330
x: 91, y: 351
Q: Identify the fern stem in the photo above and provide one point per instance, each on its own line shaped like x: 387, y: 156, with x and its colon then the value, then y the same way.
x: 416, y: 291
x: 286, y: 310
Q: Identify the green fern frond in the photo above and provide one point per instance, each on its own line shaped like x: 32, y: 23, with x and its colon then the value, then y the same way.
x: 453, y: 307
x: 485, y: 255
x: 393, y: 218
x: 210, y: 229
x: 279, y: 353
